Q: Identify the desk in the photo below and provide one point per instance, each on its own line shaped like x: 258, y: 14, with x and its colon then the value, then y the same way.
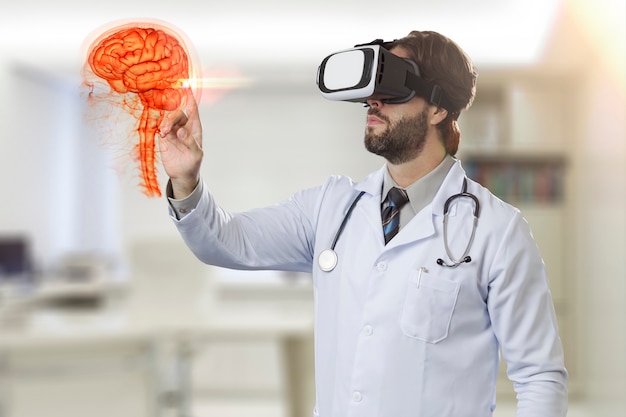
x: 149, y: 341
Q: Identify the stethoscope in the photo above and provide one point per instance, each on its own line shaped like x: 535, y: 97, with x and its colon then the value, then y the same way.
x: 328, y: 257
x: 465, y: 258
x: 327, y: 260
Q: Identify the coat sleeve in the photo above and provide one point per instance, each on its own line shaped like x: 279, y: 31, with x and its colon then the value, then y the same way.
x: 279, y: 237
x: 524, y: 321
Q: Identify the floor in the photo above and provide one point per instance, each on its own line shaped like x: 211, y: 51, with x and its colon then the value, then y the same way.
x: 259, y: 409
x: 575, y: 410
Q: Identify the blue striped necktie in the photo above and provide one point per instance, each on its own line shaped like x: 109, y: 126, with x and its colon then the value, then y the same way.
x: 396, y: 198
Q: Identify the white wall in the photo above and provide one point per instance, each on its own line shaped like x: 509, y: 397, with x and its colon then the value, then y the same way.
x: 56, y: 185
x: 600, y: 227
x: 262, y: 143
x: 599, y: 224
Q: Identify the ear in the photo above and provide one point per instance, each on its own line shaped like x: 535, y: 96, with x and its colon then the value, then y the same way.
x: 437, y: 115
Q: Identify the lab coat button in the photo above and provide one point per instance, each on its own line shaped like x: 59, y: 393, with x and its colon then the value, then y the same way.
x: 356, y: 396
x: 382, y: 266
x: 368, y: 330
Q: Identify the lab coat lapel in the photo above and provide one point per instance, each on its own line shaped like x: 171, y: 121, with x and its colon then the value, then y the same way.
x: 422, y: 225
x: 373, y: 185
x: 452, y: 184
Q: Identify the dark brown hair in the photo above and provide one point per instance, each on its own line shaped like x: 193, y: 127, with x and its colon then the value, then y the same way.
x: 443, y: 62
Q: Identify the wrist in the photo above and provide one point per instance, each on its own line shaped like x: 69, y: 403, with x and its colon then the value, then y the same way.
x: 183, y: 187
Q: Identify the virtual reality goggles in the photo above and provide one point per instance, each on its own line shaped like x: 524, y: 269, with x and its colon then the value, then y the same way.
x: 370, y: 70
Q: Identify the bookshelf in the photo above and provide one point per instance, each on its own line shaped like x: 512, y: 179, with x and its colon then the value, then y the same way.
x: 521, y: 179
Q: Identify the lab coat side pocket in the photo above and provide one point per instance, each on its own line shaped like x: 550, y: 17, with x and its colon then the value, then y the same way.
x: 428, y: 307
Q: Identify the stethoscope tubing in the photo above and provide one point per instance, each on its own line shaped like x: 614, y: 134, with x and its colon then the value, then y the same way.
x: 328, y: 259
x: 345, y: 219
x: 465, y: 258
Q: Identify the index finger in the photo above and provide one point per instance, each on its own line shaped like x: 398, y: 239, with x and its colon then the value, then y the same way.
x: 172, y: 120
x: 190, y: 107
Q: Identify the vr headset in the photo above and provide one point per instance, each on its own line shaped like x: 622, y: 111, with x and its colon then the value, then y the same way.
x: 370, y: 70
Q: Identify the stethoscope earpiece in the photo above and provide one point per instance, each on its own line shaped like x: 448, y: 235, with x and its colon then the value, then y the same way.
x: 465, y: 260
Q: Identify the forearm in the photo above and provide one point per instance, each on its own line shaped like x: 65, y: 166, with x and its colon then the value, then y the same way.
x: 546, y: 398
x: 180, y: 207
x: 182, y: 188
x: 276, y: 237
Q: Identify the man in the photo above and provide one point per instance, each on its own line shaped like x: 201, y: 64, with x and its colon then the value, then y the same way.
x: 403, y: 328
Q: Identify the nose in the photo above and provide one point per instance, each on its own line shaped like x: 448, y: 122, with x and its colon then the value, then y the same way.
x: 374, y: 102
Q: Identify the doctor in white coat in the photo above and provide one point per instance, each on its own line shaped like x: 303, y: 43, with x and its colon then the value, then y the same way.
x: 398, y: 333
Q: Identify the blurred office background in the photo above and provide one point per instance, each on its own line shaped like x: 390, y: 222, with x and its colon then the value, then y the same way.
x: 104, y: 312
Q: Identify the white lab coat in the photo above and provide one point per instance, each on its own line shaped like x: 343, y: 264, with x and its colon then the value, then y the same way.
x: 390, y: 342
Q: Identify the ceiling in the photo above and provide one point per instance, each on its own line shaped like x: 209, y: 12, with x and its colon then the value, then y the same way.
x: 251, y: 30
x: 284, y: 34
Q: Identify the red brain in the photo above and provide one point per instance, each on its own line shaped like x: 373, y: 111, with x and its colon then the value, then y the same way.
x: 143, y: 60
x: 152, y: 64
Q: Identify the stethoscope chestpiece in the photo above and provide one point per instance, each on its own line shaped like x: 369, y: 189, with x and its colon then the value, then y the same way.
x: 327, y: 260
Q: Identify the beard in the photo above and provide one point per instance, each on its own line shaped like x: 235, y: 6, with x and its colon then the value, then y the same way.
x: 401, y: 141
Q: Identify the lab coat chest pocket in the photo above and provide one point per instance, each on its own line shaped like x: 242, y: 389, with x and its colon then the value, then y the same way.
x: 428, y: 306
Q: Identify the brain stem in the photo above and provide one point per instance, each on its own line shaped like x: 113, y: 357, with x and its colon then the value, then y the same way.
x: 146, y: 149
x: 152, y: 64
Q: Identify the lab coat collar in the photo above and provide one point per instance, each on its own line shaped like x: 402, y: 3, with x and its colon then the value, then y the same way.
x: 451, y: 185
x: 373, y: 183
